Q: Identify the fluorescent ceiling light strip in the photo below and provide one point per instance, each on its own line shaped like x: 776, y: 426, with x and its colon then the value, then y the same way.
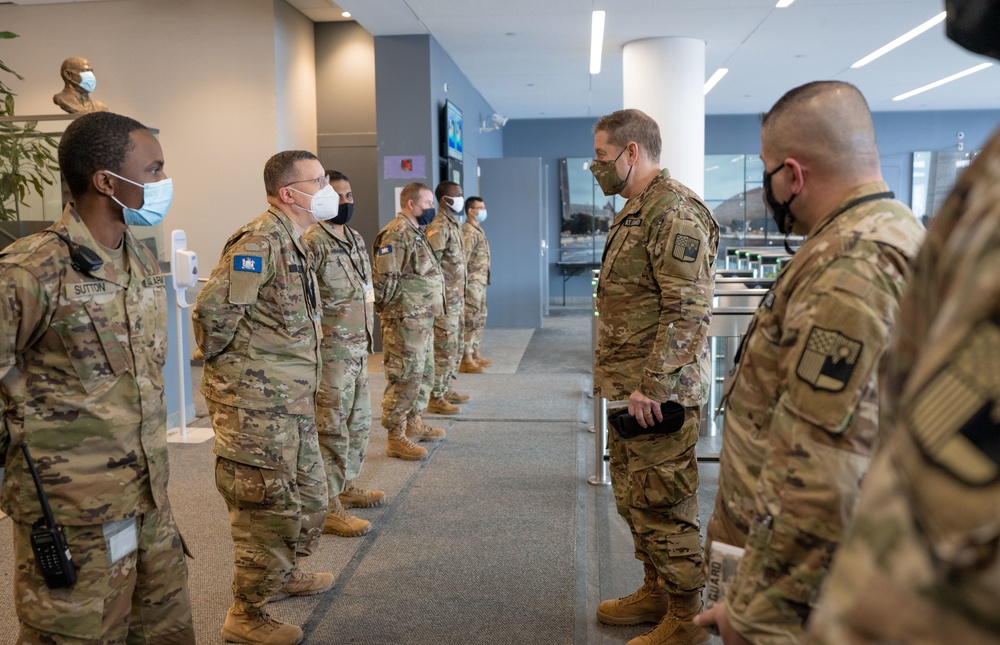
x: 931, y: 86
x: 596, y: 41
x: 783, y: 3
x: 908, y: 36
x: 716, y: 77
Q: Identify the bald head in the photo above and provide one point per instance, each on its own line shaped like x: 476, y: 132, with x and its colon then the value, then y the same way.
x: 826, y: 123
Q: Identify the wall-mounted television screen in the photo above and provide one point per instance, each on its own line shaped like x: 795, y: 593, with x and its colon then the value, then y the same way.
x: 452, y: 142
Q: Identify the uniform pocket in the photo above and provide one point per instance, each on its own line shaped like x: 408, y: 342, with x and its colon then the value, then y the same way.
x: 242, y: 484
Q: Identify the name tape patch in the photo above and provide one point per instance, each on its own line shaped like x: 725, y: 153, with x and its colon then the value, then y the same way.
x: 385, y: 250
x: 249, y: 263
x: 79, y: 289
x: 154, y: 281
x: 632, y: 221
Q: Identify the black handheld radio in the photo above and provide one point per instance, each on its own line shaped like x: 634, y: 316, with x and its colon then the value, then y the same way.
x: 48, y: 541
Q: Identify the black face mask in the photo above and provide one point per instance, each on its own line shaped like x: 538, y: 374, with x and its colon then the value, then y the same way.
x: 426, y: 217
x: 344, y: 214
x: 780, y: 212
x: 974, y: 24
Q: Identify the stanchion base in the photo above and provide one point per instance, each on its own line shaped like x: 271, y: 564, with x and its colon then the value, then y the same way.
x: 194, y: 435
x: 591, y: 430
x: 594, y: 480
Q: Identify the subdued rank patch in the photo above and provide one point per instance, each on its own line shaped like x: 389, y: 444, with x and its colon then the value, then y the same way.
x: 632, y: 221
x: 829, y: 359
x: 251, y: 263
x: 385, y: 250
x: 955, y: 418
x: 686, y: 248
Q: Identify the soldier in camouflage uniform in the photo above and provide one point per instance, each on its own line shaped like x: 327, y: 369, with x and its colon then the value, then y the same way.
x: 409, y: 294
x: 343, y: 404
x: 257, y: 323
x: 654, y: 299
x: 445, y: 236
x: 477, y: 263
x: 82, y: 350
x: 802, y: 404
x: 919, y: 564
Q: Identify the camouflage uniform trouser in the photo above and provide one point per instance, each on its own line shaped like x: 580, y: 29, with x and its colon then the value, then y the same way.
x: 448, y: 332
x: 655, y: 481
x: 408, y: 359
x: 475, y: 315
x: 276, y: 514
x: 344, y: 419
x: 141, y: 598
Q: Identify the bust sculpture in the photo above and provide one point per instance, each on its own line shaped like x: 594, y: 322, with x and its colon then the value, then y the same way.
x: 79, y: 80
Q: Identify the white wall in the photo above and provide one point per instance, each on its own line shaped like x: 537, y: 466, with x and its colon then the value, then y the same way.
x: 201, y: 71
x: 295, y: 62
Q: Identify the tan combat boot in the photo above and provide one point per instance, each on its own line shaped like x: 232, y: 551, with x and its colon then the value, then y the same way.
x: 340, y: 522
x: 469, y: 366
x: 676, y: 627
x: 647, y: 605
x: 300, y: 583
x: 401, y: 447
x: 479, y: 358
x: 451, y: 396
x: 356, y: 497
x: 417, y: 431
x: 438, y: 405
x: 259, y: 629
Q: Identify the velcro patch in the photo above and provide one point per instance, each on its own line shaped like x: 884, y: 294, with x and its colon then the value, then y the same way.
x: 432, y: 233
x: 829, y: 359
x: 296, y: 268
x: 385, y: 250
x: 955, y: 418
x: 154, y: 281
x: 686, y: 248
x: 77, y: 290
x: 250, y: 263
x: 768, y: 300
x: 632, y: 221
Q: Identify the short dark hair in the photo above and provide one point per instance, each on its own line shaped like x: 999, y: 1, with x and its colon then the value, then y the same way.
x: 803, y: 93
x: 439, y: 191
x: 336, y: 175
x: 95, y: 141
x: 470, y: 200
x: 624, y: 126
x: 280, y: 169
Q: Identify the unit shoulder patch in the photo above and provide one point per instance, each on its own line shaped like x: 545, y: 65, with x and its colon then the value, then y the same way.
x: 385, y: 249
x: 686, y: 248
x: 250, y: 263
x: 829, y: 359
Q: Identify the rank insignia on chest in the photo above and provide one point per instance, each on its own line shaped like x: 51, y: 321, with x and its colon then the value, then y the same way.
x: 829, y: 359
x: 686, y: 248
x: 385, y: 250
x: 248, y: 263
x: 632, y: 221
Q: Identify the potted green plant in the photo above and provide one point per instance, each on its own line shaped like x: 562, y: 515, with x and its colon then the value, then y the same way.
x: 27, y: 155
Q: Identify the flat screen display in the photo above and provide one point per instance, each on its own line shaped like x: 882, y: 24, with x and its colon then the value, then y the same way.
x: 452, y: 131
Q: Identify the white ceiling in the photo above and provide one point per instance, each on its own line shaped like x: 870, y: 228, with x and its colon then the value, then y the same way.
x: 530, y: 58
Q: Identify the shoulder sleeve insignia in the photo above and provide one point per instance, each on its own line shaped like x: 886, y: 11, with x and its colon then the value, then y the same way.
x: 250, y: 263
x: 685, y: 248
x: 829, y: 359
x: 385, y: 250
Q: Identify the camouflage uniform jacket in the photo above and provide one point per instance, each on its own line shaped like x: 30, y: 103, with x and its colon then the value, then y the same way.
x: 920, y: 563
x: 445, y: 236
x: 802, y: 409
x: 344, y: 269
x: 477, y: 252
x: 257, y: 323
x: 655, y: 297
x: 407, y: 275
x: 81, y: 379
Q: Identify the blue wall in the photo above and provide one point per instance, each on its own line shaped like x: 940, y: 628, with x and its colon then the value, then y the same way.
x: 898, y: 134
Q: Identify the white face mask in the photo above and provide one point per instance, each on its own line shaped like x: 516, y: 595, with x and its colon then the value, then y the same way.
x: 457, y: 203
x: 481, y: 215
x: 87, y: 81
x: 324, y: 203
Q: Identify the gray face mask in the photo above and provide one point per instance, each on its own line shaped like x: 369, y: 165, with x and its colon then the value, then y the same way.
x: 974, y: 24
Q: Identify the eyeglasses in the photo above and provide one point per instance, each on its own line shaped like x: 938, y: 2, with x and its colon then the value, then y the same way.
x: 321, y: 182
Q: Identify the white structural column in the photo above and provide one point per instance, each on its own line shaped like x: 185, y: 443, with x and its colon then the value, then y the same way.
x: 665, y: 78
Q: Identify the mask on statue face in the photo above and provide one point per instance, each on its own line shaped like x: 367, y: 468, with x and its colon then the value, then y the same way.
x: 87, y: 81
x: 607, y: 175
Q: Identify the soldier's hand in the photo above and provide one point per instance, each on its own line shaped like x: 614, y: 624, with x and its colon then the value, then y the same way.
x: 717, y: 616
x: 644, y: 409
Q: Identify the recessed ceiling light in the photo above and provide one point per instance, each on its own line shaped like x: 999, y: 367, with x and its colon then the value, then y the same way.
x: 908, y: 36
x: 346, y: 14
x: 949, y: 79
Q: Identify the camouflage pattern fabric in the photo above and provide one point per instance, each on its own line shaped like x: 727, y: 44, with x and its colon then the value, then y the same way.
x: 276, y: 511
x: 343, y: 402
x: 655, y: 304
x: 919, y: 564
x: 657, y: 497
x: 141, y: 598
x: 81, y: 382
x: 445, y: 236
x: 802, y: 409
x: 655, y: 297
x: 477, y: 263
x: 257, y: 323
x: 409, y: 294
